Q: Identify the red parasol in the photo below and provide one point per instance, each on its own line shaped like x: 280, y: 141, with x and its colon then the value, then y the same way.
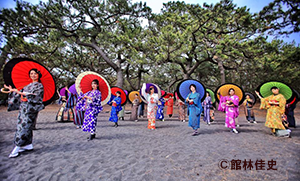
x: 163, y: 93
x: 123, y: 96
x: 16, y: 74
x: 169, y: 95
x: 84, y: 81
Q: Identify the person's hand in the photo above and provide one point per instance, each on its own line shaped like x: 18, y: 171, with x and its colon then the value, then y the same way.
x: 7, y: 87
x: 257, y: 93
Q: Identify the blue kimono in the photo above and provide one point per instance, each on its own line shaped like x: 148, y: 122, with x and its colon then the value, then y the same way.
x: 93, y: 108
x: 115, y: 108
x: 194, y: 110
x: 160, y: 110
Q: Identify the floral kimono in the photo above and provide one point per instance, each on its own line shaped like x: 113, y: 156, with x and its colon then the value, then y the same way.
x: 160, y: 109
x: 182, y: 109
x: 92, y: 109
x: 232, y: 111
x: 115, y: 109
x: 275, y: 112
x: 151, y: 110
x: 28, y: 111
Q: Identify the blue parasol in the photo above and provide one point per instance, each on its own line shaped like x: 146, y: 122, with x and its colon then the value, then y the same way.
x: 183, y: 89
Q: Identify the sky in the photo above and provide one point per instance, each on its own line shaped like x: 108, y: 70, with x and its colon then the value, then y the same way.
x: 254, y: 6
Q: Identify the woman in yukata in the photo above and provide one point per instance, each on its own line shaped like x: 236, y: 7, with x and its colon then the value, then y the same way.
x: 115, y: 109
x: 134, y: 110
x: 91, y: 103
x: 152, y: 100
x: 193, y: 102
x: 275, y: 104
x: 160, y: 109
x: 207, y: 104
x: 31, y: 97
x: 230, y: 104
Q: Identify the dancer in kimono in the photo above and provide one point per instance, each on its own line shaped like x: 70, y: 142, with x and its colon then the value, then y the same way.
x: 207, y: 104
x: 121, y: 113
x: 62, y: 101
x: 248, y: 105
x: 91, y: 102
x: 160, y: 109
x: 290, y: 114
x: 170, y: 104
x: 79, y: 112
x: 115, y: 109
x: 134, y: 110
x: 141, y: 110
x: 70, y: 104
x: 152, y: 100
x: 65, y: 112
x: 230, y: 104
x: 289, y: 110
x: 182, y: 110
x: 275, y: 104
x: 31, y: 97
x: 212, y: 113
x: 194, y: 109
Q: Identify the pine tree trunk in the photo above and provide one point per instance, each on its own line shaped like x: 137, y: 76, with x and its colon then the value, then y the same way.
x: 120, y: 78
x: 222, y: 71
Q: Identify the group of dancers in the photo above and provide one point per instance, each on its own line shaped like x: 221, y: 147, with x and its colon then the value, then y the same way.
x: 88, y: 105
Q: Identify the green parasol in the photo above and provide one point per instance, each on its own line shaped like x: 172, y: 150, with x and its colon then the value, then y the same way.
x: 285, y: 90
x: 212, y: 95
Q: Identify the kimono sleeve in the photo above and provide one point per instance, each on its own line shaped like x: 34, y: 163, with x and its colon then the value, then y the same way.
x: 265, y: 103
x: 185, y: 100
x: 235, y: 100
x: 197, y: 101
x: 80, y: 105
x: 222, y: 103
x: 118, y: 101
x: 13, y: 101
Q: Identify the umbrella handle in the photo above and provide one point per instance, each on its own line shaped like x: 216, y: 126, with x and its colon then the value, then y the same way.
x: 4, y: 91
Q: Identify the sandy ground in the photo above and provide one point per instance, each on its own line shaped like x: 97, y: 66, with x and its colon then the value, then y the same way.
x: 132, y: 152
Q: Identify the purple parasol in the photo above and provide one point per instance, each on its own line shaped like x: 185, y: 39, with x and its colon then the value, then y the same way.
x: 72, y: 89
x: 62, y: 91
